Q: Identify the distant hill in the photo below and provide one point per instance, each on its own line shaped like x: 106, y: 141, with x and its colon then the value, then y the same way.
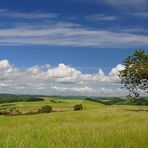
x: 7, y: 98
x: 120, y: 100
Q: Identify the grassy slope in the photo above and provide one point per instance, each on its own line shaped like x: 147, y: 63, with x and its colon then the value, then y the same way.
x: 65, y: 105
x: 98, y: 126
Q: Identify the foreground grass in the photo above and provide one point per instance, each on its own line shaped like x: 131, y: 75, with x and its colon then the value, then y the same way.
x: 102, y: 127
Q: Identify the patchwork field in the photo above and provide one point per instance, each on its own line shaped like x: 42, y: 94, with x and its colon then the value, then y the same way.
x: 97, y: 126
x: 58, y: 105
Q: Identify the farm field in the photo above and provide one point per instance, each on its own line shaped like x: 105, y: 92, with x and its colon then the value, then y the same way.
x: 58, y: 105
x: 97, y: 126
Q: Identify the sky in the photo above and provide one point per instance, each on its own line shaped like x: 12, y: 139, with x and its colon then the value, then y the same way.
x: 69, y: 47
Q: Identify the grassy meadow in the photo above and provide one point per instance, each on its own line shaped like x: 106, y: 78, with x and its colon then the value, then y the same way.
x: 97, y: 126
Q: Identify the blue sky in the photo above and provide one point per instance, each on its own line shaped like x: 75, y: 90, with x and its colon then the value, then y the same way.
x: 71, y: 39
x: 86, y: 59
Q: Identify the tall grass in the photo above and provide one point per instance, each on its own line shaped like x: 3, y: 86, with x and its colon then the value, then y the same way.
x: 105, y: 127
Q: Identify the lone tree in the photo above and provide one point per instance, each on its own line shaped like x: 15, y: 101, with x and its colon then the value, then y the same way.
x: 135, y: 74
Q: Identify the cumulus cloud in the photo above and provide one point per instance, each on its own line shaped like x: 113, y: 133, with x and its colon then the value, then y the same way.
x: 62, y: 79
x: 62, y: 71
x: 81, y: 90
x: 113, y: 75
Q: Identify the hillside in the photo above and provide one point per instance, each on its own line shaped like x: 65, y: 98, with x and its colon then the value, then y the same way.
x: 98, y: 126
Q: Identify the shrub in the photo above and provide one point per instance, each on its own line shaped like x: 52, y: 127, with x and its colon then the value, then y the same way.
x: 45, y: 109
x: 53, y: 100
x: 78, y: 107
x: 56, y: 101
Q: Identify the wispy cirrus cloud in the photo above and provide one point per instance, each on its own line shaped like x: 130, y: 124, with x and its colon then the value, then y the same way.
x: 101, y: 17
x: 46, y: 29
x: 70, y: 36
x: 140, y: 14
x: 5, y: 13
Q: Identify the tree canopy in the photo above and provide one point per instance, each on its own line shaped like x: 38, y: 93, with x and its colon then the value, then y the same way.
x: 135, y: 74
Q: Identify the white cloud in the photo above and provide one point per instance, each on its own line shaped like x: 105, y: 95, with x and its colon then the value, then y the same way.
x: 101, y: 17
x: 113, y: 75
x: 70, y: 36
x: 115, y: 71
x: 62, y: 79
x: 62, y: 71
x: 4, y: 64
x: 47, y: 30
x: 89, y: 91
x: 81, y: 90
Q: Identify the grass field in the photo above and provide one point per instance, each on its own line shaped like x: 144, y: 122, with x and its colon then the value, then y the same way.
x: 63, y: 105
x: 97, y: 126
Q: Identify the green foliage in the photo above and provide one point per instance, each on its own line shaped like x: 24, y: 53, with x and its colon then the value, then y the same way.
x: 135, y: 74
x: 120, y: 101
x: 137, y: 101
x: 18, y: 98
x: 107, y: 100
x: 45, y: 109
x: 54, y: 100
x: 96, y: 100
x: 78, y: 107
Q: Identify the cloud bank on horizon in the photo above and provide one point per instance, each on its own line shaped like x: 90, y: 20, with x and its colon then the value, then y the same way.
x: 62, y: 80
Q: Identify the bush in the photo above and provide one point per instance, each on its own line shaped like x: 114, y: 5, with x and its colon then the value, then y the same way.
x: 45, y: 109
x: 78, y: 107
x: 54, y: 100
x: 138, y: 101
